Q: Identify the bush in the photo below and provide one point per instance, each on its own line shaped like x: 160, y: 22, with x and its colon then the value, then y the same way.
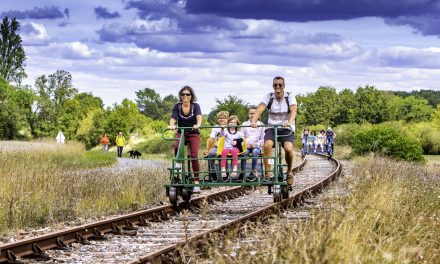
x: 384, y: 140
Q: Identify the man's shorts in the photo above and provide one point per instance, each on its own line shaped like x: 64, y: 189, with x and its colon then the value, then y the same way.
x: 282, y: 132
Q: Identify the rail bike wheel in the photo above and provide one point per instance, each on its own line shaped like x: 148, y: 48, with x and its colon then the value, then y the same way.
x: 186, y: 195
x: 277, y: 196
x: 172, y: 193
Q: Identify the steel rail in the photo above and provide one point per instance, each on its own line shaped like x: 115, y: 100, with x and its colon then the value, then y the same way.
x: 172, y: 252
x: 35, y: 247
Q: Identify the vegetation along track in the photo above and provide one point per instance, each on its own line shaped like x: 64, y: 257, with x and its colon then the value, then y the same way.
x: 156, y: 234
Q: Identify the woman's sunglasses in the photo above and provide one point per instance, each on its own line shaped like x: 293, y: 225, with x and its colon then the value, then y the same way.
x: 277, y: 85
x: 185, y: 94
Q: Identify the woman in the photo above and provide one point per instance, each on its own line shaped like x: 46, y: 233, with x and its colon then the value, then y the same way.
x: 104, y: 141
x: 187, y: 113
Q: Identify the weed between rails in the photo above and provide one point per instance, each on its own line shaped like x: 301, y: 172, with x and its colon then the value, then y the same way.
x: 391, y: 214
x: 41, y: 185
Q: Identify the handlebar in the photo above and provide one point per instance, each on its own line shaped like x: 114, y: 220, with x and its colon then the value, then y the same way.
x: 190, y: 128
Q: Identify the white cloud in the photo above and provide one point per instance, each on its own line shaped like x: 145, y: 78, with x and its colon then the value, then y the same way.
x: 34, y: 34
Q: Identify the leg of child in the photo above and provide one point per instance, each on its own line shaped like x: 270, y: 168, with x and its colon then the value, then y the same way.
x: 225, y: 153
x: 234, y: 153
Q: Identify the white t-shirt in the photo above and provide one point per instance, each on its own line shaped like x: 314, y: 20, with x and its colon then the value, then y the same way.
x: 229, y: 137
x: 279, y: 111
x: 253, y: 135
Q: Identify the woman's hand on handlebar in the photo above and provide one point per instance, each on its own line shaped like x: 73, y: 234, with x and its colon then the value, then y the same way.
x: 172, y: 127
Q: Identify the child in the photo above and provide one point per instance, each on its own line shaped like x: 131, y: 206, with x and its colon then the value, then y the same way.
x: 211, y: 151
x: 233, y: 141
x: 311, y: 141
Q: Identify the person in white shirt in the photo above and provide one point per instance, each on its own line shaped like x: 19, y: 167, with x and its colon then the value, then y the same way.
x: 282, y: 112
x: 211, y: 151
x: 254, y: 140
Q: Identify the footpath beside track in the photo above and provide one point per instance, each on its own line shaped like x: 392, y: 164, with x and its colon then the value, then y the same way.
x: 156, y: 234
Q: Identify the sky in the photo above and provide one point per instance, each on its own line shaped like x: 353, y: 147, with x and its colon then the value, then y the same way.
x: 230, y: 47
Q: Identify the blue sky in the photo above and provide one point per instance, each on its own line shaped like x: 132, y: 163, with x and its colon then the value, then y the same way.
x: 115, y: 48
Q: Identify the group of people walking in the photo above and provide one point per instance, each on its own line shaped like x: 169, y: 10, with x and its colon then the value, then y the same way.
x: 281, y: 107
x: 317, y: 142
x: 119, y: 141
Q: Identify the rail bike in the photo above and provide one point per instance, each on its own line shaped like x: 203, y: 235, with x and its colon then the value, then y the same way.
x: 182, y: 180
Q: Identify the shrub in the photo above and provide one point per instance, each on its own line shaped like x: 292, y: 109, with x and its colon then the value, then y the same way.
x: 384, y: 140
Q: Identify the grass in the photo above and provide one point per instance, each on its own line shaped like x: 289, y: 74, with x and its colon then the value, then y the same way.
x: 433, y: 159
x: 391, y: 215
x: 45, y: 183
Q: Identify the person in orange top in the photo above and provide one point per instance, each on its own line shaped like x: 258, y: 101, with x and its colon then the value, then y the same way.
x: 104, y: 142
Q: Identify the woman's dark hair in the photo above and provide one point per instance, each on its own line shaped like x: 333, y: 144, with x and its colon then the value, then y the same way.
x: 191, y: 91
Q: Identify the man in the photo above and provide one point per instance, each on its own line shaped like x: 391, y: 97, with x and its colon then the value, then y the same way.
x: 211, y: 151
x: 282, y: 112
x: 254, y: 140
x: 330, y: 135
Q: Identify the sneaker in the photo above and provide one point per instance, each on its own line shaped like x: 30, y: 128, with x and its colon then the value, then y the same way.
x: 289, y: 179
x: 234, y: 174
x: 178, y: 166
x: 251, y: 177
x: 196, y: 189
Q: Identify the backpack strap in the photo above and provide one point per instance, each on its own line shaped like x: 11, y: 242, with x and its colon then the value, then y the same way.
x: 269, y: 105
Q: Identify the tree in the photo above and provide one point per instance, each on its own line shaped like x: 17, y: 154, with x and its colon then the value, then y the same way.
x: 12, y: 56
x: 15, y: 111
x: 320, y: 107
x: 52, y: 92
x: 409, y: 109
x: 232, y: 104
x: 345, y: 107
x: 152, y: 105
x: 371, y: 105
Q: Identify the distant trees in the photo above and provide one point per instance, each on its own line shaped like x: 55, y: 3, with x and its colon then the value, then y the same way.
x: 52, y: 92
x: 152, y: 105
x: 15, y: 111
x: 12, y: 56
x: 232, y: 104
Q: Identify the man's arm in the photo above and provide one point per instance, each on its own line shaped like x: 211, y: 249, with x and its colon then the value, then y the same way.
x: 292, y: 115
x: 258, y: 113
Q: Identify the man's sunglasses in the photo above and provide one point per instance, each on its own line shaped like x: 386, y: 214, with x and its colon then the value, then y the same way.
x: 185, y: 94
x: 277, y: 85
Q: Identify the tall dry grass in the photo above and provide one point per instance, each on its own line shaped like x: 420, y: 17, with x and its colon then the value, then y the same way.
x: 44, y: 183
x: 391, y: 215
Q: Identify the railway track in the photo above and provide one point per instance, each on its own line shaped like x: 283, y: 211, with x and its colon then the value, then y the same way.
x: 156, y: 234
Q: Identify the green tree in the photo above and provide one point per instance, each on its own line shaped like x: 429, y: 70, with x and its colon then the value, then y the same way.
x: 320, y: 107
x: 370, y: 105
x: 232, y: 104
x: 409, y: 109
x: 74, y: 110
x: 126, y: 118
x: 436, y: 115
x: 345, y: 108
x: 52, y: 92
x: 12, y: 56
x: 15, y: 111
x: 152, y: 105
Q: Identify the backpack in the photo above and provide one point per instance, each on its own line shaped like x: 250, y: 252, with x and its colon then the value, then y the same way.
x: 269, y: 105
x: 329, y: 133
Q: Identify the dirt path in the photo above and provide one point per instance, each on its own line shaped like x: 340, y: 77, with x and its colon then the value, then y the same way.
x: 129, y: 163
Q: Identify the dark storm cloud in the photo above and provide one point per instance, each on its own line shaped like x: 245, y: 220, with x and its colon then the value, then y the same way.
x: 38, y: 13
x: 175, y: 10
x: 422, y: 15
x: 103, y: 12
